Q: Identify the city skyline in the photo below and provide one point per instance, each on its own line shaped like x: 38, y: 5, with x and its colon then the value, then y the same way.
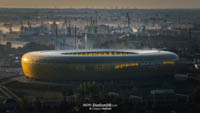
x: 141, y: 4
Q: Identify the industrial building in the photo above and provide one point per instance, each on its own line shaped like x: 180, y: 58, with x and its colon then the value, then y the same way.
x: 98, y: 64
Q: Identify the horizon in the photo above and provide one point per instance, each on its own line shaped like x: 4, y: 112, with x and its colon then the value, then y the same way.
x: 106, y: 8
x: 102, y: 4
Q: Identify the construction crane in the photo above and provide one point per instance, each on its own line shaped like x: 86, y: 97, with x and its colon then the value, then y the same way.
x: 128, y: 19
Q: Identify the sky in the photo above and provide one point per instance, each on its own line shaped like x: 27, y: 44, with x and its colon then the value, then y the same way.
x: 143, y: 4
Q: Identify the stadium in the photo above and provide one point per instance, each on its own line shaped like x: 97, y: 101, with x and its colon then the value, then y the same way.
x: 98, y: 64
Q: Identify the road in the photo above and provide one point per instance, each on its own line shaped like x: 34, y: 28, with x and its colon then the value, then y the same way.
x: 8, y: 75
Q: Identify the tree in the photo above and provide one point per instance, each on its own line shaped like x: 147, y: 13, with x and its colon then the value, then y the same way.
x: 196, y: 98
x: 38, y: 105
x: 24, y: 105
x: 196, y: 95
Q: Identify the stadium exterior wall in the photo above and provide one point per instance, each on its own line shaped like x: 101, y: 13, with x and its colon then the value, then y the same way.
x: 98, y: 64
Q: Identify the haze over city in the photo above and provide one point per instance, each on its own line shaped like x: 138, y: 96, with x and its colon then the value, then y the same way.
x: 102, y: 56
x: 143, y: 4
